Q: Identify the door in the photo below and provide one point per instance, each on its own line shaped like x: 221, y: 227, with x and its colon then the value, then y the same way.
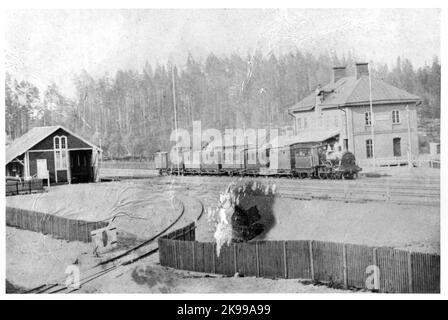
x: 42, y: 171
x: 397, y: 147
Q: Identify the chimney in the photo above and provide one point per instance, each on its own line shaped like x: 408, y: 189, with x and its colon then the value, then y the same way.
x: 338, y: 73
x: 318, y: 101
x: 362, y: 69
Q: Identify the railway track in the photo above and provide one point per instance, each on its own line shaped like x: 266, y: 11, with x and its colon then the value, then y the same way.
x: 390, y: 190
x: 132, y: 255
x: 406, y: 190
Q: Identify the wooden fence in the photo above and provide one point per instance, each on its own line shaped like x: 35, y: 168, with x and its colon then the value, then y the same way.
x: 21, y: 187
x: 58, y: 227
x: 346, y: 265
x: 120, y: 164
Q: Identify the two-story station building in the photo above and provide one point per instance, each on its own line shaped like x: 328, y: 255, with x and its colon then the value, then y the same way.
x: 344, y: 105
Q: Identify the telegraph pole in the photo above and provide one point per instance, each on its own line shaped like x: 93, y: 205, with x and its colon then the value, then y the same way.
x: 372, y: 118
x: 175, y: 114
x: 409, y: 137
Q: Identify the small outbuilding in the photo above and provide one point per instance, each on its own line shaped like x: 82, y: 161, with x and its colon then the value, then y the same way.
x: 53, y: 152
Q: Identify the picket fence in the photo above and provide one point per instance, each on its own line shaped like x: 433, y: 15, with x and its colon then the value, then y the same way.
x: 342, y: 265
x: 58, y: 227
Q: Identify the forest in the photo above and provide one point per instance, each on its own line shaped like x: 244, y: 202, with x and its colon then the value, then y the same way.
x: 131, y: 114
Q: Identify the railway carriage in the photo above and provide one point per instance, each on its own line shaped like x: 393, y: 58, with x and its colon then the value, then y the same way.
x: 192, y: 162
x: 211, y: 160
x: 296, y: 157
x: 233, y: 160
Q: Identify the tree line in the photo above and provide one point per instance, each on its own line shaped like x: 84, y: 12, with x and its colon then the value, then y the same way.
x: 132, y: 113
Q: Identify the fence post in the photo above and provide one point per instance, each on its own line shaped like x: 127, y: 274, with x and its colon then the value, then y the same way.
x: 344, y: 258
x: 175, y: 254
x: 411, y: 289
x: 285, y: 261
x: 17, y: 188
x: 258, y: 258
x: 214, y: 260
x: 375, y: 263
x: 234, y: 258
x: 310, y: 246
x: 193, y: 258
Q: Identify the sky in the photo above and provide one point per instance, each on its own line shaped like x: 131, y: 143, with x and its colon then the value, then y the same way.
x: 44, y: 46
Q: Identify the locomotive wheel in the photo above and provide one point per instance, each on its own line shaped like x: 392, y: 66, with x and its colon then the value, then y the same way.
x: 347, y: 176
x: 322, y: 175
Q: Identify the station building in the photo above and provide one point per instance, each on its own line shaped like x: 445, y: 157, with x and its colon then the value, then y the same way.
x: 344, y: 105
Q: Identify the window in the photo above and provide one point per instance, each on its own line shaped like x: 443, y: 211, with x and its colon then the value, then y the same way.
x: 345, y: 144
x: 396, y: 116
x: 305, y: 123
x: 299, y: 123
x: 369, y: 148
x: 60, y: 153
x: 397, y: 147
x: 368, y: 118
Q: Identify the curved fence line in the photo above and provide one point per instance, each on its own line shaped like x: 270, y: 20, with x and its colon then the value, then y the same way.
x: 58, y: 227
x: 346, y: 265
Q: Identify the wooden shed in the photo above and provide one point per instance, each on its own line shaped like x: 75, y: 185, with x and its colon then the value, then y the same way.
x: 55, y: 152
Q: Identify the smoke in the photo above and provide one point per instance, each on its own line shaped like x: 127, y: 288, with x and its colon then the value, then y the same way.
x: 235, y: 224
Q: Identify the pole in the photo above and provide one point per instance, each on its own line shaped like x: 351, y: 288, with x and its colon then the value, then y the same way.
x: 409, y: 137
x: 372, y: 118
x: 175, y: 114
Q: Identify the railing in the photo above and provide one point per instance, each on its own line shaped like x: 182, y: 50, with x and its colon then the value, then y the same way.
x: 345, y: 265
x: 21, y: 187
x: 398, y: 161
x: 119, y: 164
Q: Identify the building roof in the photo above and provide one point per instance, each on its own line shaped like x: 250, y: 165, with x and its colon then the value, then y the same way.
x: 306, y: 137
x: 33, y: 137
x: 350, y: 91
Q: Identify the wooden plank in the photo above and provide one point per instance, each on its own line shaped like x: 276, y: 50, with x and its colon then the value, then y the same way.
x: 209, y: 257
x: 393, y: 265
x: 199, y: 257
x: 184, y: 255
x: 246, y: 262
x: 328, y: 262
x: 425, y: 272
x: 358, y: 259
x: 224, y: 263
x: 298, y: 259
x: 311, y: 259
x: 271, y: 259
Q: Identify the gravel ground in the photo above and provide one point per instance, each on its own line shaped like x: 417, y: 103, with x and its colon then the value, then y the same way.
x: 34, y: 259
x: 144, y: 207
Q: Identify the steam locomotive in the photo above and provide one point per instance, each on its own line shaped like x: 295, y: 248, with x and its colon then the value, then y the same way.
x: 294, y: 159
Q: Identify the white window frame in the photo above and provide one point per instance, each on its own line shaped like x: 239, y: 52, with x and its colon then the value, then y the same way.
x: 299, y: 124
x: 368, y: 118
x: 59, y: 151
x: 369, y: 146
x: 398, y: 117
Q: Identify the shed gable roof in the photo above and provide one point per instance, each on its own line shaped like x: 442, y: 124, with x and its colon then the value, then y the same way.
x: 33, y: 137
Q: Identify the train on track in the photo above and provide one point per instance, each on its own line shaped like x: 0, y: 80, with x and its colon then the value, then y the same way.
x: 293, y: 157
